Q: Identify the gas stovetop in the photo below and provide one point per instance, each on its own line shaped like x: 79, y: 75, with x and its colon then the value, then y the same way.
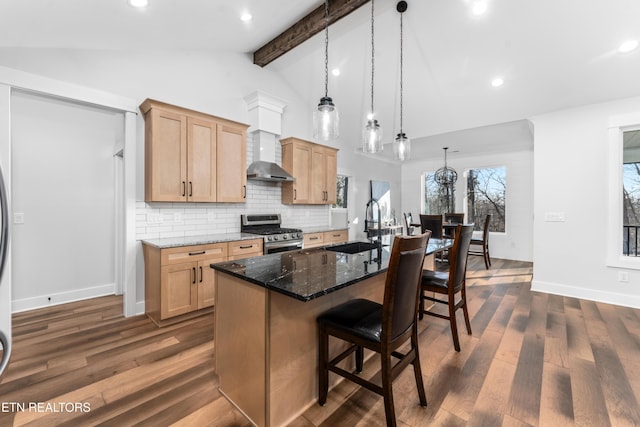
x: 269, y: 226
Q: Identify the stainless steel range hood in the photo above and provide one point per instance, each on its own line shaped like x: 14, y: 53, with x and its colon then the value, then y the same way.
x: 264, y: 167
x: 268, y: 171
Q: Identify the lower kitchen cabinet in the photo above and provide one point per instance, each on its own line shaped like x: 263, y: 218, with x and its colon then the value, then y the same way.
x: 312, y: 240
x: 179, y: 282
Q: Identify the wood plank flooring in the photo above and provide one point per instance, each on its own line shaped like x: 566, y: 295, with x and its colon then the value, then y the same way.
x: 533, y: 360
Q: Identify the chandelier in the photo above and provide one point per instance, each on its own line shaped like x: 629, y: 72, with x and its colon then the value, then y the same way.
x: 446, y: 176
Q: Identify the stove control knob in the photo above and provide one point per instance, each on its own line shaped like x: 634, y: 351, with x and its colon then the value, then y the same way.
x: 299, y: 235
x: 269, y: 238
x: 275, y: 237
x: 284, y: 237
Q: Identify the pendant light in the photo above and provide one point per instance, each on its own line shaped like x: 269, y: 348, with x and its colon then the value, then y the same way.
x: 372, y: 132
x: 402, y: 144
x: 325, y: 116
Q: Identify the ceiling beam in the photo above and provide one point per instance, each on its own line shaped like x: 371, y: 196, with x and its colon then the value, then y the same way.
x: 304, y: 29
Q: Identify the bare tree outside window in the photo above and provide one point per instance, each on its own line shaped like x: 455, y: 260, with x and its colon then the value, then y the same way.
x: 437, y: 199
x: 631, y: 193
x: 342, y: 191
x: 486, y: 190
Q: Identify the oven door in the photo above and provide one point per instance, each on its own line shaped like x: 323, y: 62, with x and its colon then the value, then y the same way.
x: 272, y: 248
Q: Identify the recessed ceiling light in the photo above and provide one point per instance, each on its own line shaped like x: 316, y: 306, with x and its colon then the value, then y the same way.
x: 335, y: 72
x: 139, y: 3
x: 628, y: 46
x: 497, y: 82
x: 246, y: 17
x: 479, y: 7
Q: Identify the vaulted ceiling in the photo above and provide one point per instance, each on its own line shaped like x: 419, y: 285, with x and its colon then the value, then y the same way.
x: 551, y: 54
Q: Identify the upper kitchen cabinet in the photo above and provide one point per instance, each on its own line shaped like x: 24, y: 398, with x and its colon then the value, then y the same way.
x: 192, y: 156
x: 314, y: 167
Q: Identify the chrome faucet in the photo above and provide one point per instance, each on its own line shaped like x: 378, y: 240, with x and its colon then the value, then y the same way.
x: 366, y: 221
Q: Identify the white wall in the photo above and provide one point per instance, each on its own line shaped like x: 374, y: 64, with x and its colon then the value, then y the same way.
x: 571, y: 177
x: 214, y: 83
x: 516, y: 242
x: 63, y: 183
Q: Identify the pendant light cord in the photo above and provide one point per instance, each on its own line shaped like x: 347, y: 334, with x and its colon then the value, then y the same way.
x: 372, y: 54
x: 401, y: 72
x: 326, y: 48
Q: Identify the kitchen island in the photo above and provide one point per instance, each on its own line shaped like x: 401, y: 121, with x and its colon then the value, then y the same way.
x: 265, y: 323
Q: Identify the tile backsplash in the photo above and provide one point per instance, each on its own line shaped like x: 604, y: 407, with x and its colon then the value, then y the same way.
x: 158, y: 220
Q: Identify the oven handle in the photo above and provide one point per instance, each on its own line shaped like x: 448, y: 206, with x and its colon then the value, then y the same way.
x: 292, y: 243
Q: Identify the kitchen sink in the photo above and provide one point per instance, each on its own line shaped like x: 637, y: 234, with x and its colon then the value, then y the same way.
x: 353, y: 247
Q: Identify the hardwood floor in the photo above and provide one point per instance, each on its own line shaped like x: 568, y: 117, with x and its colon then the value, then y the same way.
x: 533, y: 360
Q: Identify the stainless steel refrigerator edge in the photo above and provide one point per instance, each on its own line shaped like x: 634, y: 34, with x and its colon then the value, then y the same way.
x: 5, y: 303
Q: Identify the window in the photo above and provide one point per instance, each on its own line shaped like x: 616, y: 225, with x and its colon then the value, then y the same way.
x: 342, y: 192
x: 437, y: 199
x: 486, y: 190
x: 630, y: 193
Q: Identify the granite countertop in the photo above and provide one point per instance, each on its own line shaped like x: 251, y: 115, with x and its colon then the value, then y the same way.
x: 173, y: 242
x: 322, y: 229
x: 310, y: 273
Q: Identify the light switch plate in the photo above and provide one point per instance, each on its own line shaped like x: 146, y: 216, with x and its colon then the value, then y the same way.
x: 554, y: 216
x: 18, y: 218
x: 154, y: 218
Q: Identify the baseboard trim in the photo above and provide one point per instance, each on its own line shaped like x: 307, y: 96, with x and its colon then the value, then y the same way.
x: 49, y: 300
x: 625, y: 300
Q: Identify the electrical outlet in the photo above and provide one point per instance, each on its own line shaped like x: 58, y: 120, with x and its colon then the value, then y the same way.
x: 177, y: 217
x: 154, y: 219
x: 211, y: 216
x: 554, y: 216
x: 18, y: 218
x: 623, y: 276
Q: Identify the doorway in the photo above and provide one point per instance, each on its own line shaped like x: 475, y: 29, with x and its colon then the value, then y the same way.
x: 64, y: 200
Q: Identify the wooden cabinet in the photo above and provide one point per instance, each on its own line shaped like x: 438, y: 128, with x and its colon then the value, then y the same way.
x: 180, y: 282
x: 312, y: 240
x: 191, y: 156
x: 245, y: 249
x: 314, y: 167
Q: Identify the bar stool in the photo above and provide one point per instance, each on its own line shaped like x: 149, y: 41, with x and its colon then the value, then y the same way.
x: 450, y: 283
x: 382, y: 328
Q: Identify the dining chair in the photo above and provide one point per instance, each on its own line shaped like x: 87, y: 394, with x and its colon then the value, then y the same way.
x: 409, y: 224
x: 450, y: 283
x: 432, y: 223
x: 382, y: 328
x: 483, y: 242
x: 455, y: 219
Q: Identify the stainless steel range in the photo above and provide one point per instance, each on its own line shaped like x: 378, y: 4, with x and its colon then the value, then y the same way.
x: 276, y: 238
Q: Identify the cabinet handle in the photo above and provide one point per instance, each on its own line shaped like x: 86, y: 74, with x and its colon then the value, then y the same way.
x: 313, y: 238
x: 244, y: 190
x: 184, y: 188
x: 295, y: 194
x: 197, y: 253
x: 336, y: 235
x: 200, y: 274
x: 194, y: 275
x: 190, y: 188
x: 246, y: 247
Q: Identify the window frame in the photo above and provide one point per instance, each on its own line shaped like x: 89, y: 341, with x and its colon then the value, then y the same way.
x: 617, y: 126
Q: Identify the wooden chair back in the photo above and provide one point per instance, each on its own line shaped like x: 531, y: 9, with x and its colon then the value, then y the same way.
x: 402, y: 286
x: 458, y: 257
x: 432, y: 223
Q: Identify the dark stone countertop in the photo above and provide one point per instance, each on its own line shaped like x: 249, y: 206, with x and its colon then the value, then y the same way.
x: 310, y: 273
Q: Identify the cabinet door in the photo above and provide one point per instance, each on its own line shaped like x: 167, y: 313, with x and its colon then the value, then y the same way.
x: 232, y: 164
x: 201, y: 167
x: 331, y: 176
x: 318, y: 175
x: 165, y: 157
x: 296, y: 159
x: 207, y: 282
x: 178, y: 289
x: 312, y: 240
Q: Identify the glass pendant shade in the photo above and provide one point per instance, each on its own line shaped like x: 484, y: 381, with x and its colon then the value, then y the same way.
x: 401, y: 147
x: 372, y: 137
x: 325, y: 120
